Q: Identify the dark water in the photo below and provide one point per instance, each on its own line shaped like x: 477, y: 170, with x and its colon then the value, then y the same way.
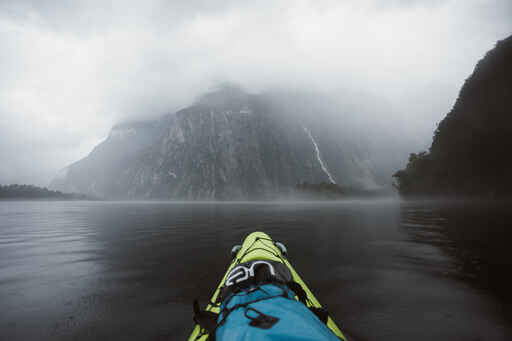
x: 386, y: 270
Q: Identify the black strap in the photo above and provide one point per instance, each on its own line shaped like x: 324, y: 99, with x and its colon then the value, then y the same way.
x: 262, y: 275
x: 298, y: 291
x: 205, y: 319
x: 321, y: 313
x: 261, y: 320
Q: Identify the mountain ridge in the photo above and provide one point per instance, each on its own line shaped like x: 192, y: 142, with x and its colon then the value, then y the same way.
x: 228, y: 145
x: 470, y: 150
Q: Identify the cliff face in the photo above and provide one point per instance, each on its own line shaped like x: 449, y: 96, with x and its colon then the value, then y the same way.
x: 106, y: 171
x: 228, y: 145
x: 470, y: 153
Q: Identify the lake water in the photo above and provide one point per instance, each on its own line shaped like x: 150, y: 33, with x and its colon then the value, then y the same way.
x: 385, y: 269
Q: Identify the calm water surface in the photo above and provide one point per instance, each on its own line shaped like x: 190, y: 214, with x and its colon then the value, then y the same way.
x: 386, y: 270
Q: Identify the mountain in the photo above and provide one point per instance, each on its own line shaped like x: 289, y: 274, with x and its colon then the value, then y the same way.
x: 107, y: 171
x: 470, y: 152
x: 228, y: 145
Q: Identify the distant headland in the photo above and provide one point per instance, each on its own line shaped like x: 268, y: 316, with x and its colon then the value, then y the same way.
x: 30, y: 192
x: 470, y: 151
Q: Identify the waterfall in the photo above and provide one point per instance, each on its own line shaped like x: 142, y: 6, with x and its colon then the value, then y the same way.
x: 318, y: 157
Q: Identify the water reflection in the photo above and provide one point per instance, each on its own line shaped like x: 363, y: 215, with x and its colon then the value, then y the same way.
x: 474, y: 235
x: 47, y: 262
x: 129, y: 270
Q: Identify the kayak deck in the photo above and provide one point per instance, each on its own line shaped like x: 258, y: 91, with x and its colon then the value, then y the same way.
x: 259, y: 246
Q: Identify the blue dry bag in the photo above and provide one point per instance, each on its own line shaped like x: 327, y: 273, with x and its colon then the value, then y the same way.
x: 268, y: 312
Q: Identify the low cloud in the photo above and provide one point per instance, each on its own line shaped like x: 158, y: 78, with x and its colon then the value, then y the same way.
x: 71, y: 69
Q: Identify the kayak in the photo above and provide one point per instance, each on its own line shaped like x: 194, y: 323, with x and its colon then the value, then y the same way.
x: 262, y: 297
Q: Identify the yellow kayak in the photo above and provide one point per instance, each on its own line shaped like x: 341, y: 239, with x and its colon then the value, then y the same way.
x: 258, y: 246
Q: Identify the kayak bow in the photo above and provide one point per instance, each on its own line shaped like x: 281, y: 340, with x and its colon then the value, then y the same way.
x: 257, y: 248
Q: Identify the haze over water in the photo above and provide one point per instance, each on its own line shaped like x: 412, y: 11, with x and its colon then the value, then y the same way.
x: 130, y: 270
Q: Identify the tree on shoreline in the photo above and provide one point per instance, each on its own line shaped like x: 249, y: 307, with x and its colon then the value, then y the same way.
x: 17, y: 191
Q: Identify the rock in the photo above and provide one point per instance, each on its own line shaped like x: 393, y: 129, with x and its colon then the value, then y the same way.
x: 228, y: 145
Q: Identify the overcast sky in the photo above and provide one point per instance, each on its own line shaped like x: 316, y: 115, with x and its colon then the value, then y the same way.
x: 70, y: 69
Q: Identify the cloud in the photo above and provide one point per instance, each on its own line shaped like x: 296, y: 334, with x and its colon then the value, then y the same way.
x: 71, y: 69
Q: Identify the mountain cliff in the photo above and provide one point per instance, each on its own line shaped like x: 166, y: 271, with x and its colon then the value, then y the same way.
x: 228, y: 145
x: 470, y: 152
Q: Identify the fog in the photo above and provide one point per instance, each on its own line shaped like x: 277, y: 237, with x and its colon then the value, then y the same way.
x: 69, y: 70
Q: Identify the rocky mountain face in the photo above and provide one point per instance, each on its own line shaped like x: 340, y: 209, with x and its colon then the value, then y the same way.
x: 470, y: 153
x: 107, y: 170
x: 228, y: 145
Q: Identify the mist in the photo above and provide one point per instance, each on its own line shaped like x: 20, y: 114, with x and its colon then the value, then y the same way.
x: 70, y: 70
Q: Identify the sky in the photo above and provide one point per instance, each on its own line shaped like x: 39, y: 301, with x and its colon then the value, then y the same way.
x: 71, y: 69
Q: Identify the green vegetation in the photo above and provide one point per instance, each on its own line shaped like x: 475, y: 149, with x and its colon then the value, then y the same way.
x: 470, y: 152
x: 417, y: 177
x: 33, y: 192
x: 330, y: 191
x: 323, y: 189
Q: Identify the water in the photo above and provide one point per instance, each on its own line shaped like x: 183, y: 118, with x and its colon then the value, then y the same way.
x: 130, y: 270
